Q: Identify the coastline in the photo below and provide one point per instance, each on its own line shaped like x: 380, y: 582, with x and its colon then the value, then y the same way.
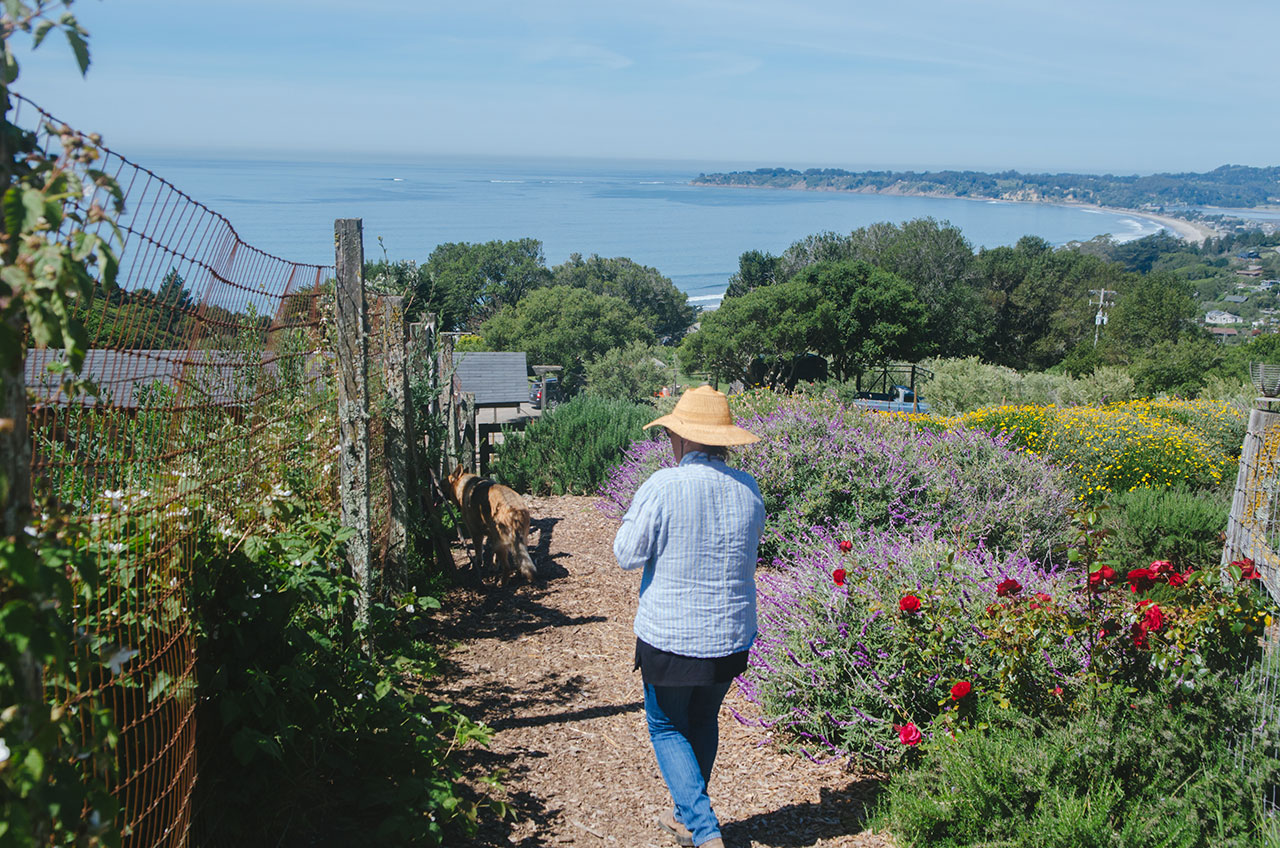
x: 1188, y: 231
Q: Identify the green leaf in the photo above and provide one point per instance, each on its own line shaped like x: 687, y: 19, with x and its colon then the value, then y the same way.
x: 81, y: 48
x: 159, y: 686
x: 41, y: 32
x: 382, y: 689
x: 32, y: 208
x: 34, y: 763
x: 13, y: 211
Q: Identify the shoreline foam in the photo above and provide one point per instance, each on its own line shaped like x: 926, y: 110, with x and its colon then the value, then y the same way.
x: 1188, y: 231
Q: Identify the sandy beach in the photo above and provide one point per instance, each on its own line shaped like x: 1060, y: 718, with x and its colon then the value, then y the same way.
x: 1191, y: 231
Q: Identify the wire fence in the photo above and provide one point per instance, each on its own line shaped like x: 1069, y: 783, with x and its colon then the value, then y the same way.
x: 213, y: 361
x: 1253, y: 532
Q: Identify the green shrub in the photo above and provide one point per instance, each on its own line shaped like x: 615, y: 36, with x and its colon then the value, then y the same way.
x: 962, y: 385
x: 1163, y: 769
x: 1170, y: 524
x: 299, y: 705
x: 633, y: 373
x: 571, y: 449
x: 1122, y: 447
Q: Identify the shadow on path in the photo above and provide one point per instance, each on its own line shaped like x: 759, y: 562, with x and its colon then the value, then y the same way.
x: 836, y: 813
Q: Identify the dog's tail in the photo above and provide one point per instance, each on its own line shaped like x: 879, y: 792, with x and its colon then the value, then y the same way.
x: 523, y: 561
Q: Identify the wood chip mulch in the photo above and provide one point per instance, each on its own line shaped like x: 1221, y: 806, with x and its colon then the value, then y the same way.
x: 548, y: 667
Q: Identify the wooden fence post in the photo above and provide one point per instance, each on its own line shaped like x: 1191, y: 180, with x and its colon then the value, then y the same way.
x: 426, y: 480
x: 353, y: 404
x: 397, y: 446
x: 467, y: 451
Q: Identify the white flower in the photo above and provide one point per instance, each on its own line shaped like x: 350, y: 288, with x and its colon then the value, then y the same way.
x: 4, y: 751
x: 116, y: 496
x: 409, y: 608
x: 29, y: 530
x: 278, y: 491
x: 119, y: 657
x: 360, y: 696
x: 115, y: 547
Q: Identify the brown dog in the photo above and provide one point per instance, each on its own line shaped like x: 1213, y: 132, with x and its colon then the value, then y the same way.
x: 494, y: 512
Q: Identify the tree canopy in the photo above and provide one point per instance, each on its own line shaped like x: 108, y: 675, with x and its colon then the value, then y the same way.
x: 565, y: 326
x: 850, y: 312
x: 653, y: 296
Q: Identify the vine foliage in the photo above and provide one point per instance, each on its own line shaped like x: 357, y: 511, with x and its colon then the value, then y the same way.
x: 55, y: 747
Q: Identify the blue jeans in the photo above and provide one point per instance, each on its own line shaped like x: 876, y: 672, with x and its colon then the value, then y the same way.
x: 685, y: 731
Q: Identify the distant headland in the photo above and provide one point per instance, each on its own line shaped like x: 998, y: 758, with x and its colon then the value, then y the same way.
x: 1230, y: 186
x: 1236, y: 186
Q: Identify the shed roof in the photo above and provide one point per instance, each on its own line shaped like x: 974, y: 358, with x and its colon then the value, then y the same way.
x: 496, y: 379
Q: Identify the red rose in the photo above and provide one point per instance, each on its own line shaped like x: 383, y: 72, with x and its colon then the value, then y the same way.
x: 908, y: 734
x: 1008, y: 587
x: 1152, y: 619
x: 1140, y: 579
x: 1176, y: 579
x: 1095, y: 582
x: 1043, y: 598
x: 838, y: 576
x: 1248, y: 571
x: 1160, y: 566
x: 909, y: 603
x: 1109, y: 574
x: 1057, y: 690
x: 1139, y: 634
x: 846, y: 546
x: 961, y: 689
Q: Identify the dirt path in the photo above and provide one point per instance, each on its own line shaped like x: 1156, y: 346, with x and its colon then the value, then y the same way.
x: 548, y: 667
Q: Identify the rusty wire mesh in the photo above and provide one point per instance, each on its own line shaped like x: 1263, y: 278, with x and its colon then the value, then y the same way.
x: 215, y: 387
x: 1253, y: 532
x: 380, y: 336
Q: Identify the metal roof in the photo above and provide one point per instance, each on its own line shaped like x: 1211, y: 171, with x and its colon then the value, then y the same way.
x: 220, y: 378
x: 496, y: 379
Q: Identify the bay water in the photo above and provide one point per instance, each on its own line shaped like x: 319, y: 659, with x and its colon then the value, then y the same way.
x: 644, y: 210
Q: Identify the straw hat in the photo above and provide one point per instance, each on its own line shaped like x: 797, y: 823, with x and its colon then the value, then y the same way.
x: 702, y: 415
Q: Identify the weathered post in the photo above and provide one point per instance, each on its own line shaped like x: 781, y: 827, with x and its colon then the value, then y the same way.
x: 397, y: 445
x: 469, y: 448
x: 426, y: 488
x: 353, y: 404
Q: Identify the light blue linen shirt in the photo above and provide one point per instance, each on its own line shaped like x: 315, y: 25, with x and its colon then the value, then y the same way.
x: 694, y: 529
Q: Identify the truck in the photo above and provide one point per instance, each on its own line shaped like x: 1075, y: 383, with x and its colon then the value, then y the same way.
x: 902, y: 399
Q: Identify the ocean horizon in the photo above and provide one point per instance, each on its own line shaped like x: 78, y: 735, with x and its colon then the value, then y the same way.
x: 644, y: 210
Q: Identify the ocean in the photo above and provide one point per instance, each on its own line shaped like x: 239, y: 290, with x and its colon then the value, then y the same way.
x: 646, y: 211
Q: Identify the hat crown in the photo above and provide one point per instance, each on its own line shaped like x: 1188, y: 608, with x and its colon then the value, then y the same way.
x: 704, y: 406
x: 702, y: 415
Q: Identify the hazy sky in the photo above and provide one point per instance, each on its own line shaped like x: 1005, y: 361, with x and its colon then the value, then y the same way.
x: 1123, y: 87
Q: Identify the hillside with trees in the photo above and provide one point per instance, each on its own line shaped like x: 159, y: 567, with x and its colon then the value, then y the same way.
x: 1236, y: 186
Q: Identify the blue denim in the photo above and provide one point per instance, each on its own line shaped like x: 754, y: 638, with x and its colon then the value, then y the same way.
x: 685, y: 730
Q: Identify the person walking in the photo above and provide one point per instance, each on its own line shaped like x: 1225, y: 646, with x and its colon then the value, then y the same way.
x: 694, y: 530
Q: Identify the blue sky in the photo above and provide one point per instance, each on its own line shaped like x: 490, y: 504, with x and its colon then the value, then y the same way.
x: 1121, y: 87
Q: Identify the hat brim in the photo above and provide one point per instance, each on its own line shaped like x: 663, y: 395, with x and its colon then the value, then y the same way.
x: 720, y: 435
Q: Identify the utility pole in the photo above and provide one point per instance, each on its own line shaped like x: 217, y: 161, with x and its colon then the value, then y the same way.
x: 1104, y: 303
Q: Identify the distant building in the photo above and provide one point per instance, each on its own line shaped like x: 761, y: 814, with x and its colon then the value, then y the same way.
x: 1249, y: 272
x: 1217, y: 316
x: 1236, y: 298
x: 1224, y: 333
